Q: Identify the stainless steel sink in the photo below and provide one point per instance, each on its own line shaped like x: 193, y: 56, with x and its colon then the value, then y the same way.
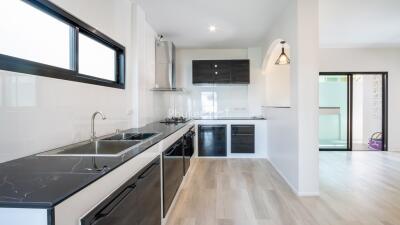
x: 131, y: 136
x: 95, y: 148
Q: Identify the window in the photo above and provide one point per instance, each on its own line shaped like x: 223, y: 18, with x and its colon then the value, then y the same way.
x: 96, y: 58
x: 40, y: 38
x: 25, y: 33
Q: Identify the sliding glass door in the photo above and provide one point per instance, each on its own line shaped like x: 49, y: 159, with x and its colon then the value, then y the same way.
x: 333, y: 101
x: 367, y: 110
x: 353, y: 111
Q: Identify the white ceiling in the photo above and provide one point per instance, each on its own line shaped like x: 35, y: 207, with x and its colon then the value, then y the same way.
x: 244, y: 23
x: 359, y: 23
x: 240, y: 23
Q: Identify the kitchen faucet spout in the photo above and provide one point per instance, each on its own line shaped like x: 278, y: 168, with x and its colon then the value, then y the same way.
x: 93, y: 133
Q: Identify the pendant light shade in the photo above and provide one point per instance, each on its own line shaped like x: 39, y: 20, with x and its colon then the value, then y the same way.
x: 283, y: 58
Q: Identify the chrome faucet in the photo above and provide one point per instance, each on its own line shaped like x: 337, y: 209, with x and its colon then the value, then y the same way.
x: 93, y: 135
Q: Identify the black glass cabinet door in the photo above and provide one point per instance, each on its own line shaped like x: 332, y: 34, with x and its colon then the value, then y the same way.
x: 212, y: 140
x: 172, y: 173
x: 137, y: 202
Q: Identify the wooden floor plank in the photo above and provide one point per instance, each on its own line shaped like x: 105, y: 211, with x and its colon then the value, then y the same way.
x: 356, y: 188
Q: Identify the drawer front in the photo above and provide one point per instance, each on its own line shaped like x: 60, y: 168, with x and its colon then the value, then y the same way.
x: 243, y: 145
x: 242, y: 139
x: 243, y: 129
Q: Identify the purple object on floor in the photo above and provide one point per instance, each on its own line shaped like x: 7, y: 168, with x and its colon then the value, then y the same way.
x: 375, y: 142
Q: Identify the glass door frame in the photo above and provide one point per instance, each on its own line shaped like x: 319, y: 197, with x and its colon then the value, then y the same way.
x: 350, y: 76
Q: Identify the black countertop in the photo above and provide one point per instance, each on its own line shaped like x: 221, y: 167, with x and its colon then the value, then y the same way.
x: 44, y: 181
x: 229, y: 118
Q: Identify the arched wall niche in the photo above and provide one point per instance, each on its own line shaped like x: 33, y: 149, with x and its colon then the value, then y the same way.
x: 277, y: 77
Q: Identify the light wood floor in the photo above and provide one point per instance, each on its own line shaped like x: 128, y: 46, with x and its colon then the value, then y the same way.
x: 359, y: 188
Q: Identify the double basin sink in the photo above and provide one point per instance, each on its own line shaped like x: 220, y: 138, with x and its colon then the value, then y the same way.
x: 114, y: 145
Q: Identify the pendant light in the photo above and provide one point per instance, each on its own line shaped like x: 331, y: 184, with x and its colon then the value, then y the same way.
x: 283, y: 58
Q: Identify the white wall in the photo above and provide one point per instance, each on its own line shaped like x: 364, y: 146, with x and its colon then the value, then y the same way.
x: 143, y: 35
x: 282, y: 138
x: 307, y: 95
x: 277, y: 78
x: 365, y: 60
x: 293, y: 132
x: 231, y: 100
x: 257, y: 87
x: 40, y: 113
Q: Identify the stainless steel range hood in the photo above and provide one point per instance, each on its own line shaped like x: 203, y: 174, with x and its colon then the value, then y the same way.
x: 165, y: 79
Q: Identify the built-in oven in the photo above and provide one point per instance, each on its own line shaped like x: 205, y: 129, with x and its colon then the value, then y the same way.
x: 172, y: 173
x: 138, y: 201
x: 188, y: 151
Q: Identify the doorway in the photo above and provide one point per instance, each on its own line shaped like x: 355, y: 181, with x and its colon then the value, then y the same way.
x: 353, y: 111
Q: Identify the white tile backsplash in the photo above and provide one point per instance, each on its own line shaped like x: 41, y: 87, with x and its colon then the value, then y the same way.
x: 224, y: 100
x: 205, y: 101
x: 40, y: 113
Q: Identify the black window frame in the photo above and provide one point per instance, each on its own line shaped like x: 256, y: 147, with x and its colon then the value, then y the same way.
x: 14, y: 64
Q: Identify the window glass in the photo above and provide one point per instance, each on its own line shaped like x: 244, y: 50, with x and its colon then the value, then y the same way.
x: 96, y: 59
x: 31, y: 34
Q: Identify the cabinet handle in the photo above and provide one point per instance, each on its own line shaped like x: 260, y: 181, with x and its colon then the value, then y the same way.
x: 215, y: 66
x: 147, y: 171
x: 216, y: 73
x: 114, y: 203
x: 171, y: 151
x: 212, y: 126
x: 239, y: 126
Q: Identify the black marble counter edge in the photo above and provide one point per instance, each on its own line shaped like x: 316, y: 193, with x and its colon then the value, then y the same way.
x: 51, y: 205
x: 229, y: 118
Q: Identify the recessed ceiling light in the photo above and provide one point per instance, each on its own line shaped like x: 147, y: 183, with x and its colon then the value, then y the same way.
x: 212, y: 28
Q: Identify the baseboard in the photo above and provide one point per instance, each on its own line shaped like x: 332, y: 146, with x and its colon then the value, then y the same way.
x: 294, y: 190
x: 239, y: 156
x: 308, y: 194
x: 246, y: 156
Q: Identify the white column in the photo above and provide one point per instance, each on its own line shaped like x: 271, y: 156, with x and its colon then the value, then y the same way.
x: 307, y: 96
